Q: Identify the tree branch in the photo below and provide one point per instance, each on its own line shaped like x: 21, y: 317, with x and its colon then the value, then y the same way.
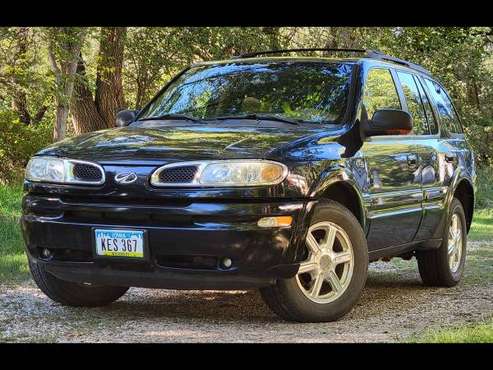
x: 53, y: 64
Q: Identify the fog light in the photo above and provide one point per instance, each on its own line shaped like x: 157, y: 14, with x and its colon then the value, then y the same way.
x: 226, y: 263
x: 277, y: 221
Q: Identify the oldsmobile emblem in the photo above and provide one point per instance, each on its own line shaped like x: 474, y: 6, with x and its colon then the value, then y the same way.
x: 125, y: 178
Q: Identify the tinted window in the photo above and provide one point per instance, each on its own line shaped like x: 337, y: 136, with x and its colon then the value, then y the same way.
x: 380, y: 92
x: 414, y: 105
x: 432, y: 124
x: 446, y: 112
x: 312, y: 92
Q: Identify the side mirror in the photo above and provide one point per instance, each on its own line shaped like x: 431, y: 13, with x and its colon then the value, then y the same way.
x: 125, y: 117
x: 389, y: 122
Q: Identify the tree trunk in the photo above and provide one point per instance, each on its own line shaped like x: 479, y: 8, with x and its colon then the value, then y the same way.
x: 19, y: 101
x: 91, y: 113
x: 476, y: 94
x: 60, y: 123
x: 39, y: 115
x: 64, y: 50
x: 85, y: 115
x: 109, y: 88
x: 19, y: 104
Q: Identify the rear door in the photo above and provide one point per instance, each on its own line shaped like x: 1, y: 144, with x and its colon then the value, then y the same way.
x: 425, y: 137
x: 393, y: 198
x: 451, y: 154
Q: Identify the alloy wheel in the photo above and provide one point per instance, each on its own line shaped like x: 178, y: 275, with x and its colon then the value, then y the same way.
x: 327, y: 271
x: 455, y: 243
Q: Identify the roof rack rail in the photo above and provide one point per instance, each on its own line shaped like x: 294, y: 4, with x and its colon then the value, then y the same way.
x: 256, y: 53
x: 375, y: 54
x: 381, y: 56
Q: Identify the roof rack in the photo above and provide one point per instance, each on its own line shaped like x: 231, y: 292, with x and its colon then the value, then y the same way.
x: 367, y: 53
x: 375, y: 54
x: 256, y: 53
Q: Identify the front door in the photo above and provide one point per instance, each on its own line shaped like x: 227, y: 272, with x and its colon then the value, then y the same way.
x: 393, y: 196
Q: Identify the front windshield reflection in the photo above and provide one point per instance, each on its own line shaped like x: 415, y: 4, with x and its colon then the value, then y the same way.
x: 300, y: 91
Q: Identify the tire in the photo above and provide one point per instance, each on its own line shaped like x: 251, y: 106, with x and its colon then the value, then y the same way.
x: 434, y: 266
x: 73, y: 294
x: 289, y: 299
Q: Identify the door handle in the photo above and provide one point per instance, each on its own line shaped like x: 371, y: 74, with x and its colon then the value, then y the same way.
x: 412, y: 160
x: 450, y: 158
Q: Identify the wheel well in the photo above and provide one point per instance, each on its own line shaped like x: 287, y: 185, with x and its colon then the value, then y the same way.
x: 347, y: 196
x: 465, y: 193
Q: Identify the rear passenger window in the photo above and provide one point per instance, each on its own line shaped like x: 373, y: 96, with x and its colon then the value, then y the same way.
x: 446, y: 111
x: 414, y: 105
x: 380, y: 92
x: 432, y: 124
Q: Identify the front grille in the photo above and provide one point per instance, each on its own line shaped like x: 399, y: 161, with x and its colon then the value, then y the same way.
x: 87, y: 172
x: 178, y: 175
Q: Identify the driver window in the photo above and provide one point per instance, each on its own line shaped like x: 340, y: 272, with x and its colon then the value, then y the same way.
x: 380, y: 92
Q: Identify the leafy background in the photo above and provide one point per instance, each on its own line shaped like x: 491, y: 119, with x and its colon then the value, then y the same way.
x: 61, y: 81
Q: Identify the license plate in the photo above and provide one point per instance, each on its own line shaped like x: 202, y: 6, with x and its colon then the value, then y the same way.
x: 119, y: 243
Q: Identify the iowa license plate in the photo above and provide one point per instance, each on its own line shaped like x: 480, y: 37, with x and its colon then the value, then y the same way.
x: 119, y: 243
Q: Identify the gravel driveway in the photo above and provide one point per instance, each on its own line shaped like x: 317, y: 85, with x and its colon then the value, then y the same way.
x: 394, y: 307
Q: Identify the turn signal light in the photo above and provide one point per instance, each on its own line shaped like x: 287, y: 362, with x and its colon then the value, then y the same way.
x: 277, y: 221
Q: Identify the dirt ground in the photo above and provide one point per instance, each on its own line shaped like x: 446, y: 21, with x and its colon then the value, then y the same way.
x: 394, y: 307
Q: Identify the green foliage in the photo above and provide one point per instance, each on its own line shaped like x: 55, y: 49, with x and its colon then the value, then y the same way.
x: 460, y: 57
x: 18, y: 142
x: 13, y: 262
x: 25, y: 81
x: 482, y: 226
x: 154, y: 54
x: 484, y: 191
x: 478, y: 333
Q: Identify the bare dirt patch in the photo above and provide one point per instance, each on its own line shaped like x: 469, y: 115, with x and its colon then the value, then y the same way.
x: 394, y: 307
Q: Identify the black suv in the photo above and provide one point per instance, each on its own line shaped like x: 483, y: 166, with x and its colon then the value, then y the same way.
x: 288, y: 174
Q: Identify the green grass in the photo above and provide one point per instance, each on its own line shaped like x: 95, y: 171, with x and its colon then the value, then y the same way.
x: 477, y: 333
x: 484, y: 191
x: 482, y: 225
x: 13, y: 262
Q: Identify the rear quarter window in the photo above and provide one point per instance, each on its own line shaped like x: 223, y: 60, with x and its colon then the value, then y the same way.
x: 446, y: 111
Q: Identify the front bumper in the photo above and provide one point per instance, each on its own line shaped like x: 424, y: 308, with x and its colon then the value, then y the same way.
x: 179, y: 233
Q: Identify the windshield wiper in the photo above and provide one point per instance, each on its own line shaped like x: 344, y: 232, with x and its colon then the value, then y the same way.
x: 172, y: 116
x: 257, y: 117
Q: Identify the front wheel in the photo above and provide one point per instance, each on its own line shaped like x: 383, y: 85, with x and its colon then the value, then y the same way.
x: 73, y: 294
x: 332, y: 274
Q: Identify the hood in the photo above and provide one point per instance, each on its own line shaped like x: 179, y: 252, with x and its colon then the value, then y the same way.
x: 187, y: 142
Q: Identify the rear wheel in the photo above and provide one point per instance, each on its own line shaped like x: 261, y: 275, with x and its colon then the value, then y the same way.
x: 444, y: 266
x: 73, y: 294
x: 333, y: 273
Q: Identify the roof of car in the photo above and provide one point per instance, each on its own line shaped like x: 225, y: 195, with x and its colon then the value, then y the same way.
x: 368, y: 56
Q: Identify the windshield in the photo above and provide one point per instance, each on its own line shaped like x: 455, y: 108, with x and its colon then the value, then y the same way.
x: 300, y: 91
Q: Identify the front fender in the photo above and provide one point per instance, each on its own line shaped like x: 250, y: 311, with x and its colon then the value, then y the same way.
x: 344, y: 174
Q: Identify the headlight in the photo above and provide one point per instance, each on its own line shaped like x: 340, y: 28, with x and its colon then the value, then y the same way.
x: 64, y: 171
x: 220, y: 173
